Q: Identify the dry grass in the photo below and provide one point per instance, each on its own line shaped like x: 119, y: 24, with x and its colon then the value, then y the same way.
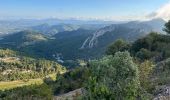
x: 9, y: 59
x: 19, y: 83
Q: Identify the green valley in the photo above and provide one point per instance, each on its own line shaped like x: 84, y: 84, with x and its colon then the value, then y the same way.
x: 73, y: 59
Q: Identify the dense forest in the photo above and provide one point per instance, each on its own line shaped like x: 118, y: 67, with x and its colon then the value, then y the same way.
x: 14, y: 66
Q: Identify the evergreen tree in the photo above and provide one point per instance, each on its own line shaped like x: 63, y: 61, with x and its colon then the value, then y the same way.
x: 118, y: 45
x: 167, y: 27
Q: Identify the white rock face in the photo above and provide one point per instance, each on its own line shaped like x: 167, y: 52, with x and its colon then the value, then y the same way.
x: 90, y: 42
x: 85, y: 42
x: 98, y: 34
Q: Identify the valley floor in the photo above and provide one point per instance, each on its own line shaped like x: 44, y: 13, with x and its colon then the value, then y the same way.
x: 19, y: 83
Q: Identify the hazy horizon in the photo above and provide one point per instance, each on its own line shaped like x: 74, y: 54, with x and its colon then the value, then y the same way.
x: 110, y: 10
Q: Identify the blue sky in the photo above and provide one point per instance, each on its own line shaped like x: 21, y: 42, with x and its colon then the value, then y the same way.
x: 102, y: 9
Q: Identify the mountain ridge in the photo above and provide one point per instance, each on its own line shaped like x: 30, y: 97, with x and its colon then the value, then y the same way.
x: 134, y: 26
x: 81, y: 43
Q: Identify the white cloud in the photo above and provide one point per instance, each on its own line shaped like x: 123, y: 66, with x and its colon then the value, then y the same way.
x: 162, y: 12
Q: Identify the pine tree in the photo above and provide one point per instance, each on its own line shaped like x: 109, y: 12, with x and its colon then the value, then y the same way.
x: 167, y: 27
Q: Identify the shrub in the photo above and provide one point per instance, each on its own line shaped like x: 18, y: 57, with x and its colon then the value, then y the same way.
x: 113, y: 78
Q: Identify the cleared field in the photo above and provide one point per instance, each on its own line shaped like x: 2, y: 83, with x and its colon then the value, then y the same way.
x: 19, y: 83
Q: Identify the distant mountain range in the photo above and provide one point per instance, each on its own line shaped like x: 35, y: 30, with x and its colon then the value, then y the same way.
x: 129, y: 31
x: 16, y: 25
x: 51, y: 30
x: 69, y: 42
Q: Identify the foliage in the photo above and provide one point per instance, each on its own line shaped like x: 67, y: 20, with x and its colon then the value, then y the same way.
x: 118, y: 45
x: 32, y: 92
x: 167, y: 27
x: 16, y: 67
x: 145, y: 72
x: 113, y: 78
x: 71, y: 80
x: 7, y: 52
x: 161, y: 72
x: 144, y: 54
x: 154, y: 46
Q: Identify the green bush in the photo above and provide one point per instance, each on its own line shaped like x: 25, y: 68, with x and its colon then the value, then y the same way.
x: 113, y: 78
x: 118, y: 45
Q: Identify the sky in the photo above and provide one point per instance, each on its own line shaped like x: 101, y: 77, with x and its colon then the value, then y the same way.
x: 85, y: 9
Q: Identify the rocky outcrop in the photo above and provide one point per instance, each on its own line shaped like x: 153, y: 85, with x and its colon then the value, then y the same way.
x: 92, y: 40
x: 163, y: 93
x: 73, y: 95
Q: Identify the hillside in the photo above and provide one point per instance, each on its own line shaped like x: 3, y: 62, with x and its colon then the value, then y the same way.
x: 51, y: 30
x: 84, y: 49
x: 128, y: 70
x: 75, y: 42
x: 54, y: 29
x: 10, y: 26
x: 64, y: 46
x: 130, y: 31
x: 22, y: 39
x: 148, y: 73
x: 14, y: 66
